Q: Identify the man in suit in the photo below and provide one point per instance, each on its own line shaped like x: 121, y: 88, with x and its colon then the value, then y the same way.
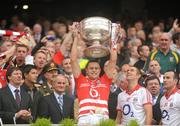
x: 30, y: 86
x: 66, y: 65
x: 152, y: 83
x: 57, y: 105
x: 116, y: 88
x: 37, y: 33
x: 14, y: 102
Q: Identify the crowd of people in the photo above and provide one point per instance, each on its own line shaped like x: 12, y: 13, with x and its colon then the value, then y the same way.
x: 45, y: 73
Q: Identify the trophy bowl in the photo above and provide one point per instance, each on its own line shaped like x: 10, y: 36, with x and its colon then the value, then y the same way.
x: 96, y: 31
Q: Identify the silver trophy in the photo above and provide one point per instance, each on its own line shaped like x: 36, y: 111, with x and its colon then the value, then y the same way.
x: 96, y: 31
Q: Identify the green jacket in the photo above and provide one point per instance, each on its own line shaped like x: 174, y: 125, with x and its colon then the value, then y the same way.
x: 170, y: 61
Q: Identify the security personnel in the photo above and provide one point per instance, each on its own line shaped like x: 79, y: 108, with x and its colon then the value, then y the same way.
x: 168, y: 59
x: 50, y: 70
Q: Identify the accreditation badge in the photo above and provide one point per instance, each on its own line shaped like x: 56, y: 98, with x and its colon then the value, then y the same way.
x: 171, y: 59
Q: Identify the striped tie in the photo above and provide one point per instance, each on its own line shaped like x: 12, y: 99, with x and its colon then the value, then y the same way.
x: 60, y: 98
x: 17, y: 96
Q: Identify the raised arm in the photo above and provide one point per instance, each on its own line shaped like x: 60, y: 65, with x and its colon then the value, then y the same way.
x: 174, y: 28
x: 66, y: 43
x: 74, y: 62
x: 112, y: 63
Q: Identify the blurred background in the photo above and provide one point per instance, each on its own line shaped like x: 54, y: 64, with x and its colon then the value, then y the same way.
x: 32, y: 10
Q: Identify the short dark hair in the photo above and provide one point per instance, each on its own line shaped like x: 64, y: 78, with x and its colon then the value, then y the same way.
x: 10, y: 71
x: 22, y: 45
x: 140, y: 48
x: 175, y: 74
x: 175, y: 37
x: 151, y: 77
x: 92, y: 61
x: 28, y: 68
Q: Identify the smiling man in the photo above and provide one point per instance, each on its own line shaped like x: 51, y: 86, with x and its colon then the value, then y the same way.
x: 92, y: 90
x: 14, y: 102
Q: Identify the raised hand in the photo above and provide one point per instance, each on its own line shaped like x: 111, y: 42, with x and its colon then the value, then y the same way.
x: 175, y: 24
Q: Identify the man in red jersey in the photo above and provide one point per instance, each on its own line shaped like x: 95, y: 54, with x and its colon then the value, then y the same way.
x: 92, y: 90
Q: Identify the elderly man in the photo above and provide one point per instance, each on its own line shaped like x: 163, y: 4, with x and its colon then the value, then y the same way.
x: 120, y: 85
x: 168, y: 59
x: 50, y: 70
x: 57, y: 105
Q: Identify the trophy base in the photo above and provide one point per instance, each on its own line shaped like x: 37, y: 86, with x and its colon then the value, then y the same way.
x: 96, y: 51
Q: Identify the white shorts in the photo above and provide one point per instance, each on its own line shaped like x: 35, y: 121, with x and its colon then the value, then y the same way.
x: 92, y: 119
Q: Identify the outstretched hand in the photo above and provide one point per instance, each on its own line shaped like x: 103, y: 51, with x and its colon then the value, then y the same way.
x: 75, y: 29
x: 175, y: 24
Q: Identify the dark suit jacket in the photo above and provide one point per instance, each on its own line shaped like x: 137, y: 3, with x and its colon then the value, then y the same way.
x: 112, y: 103
x: 157, y: 111
x: 49, y: 108
x: 35, y: 101
x: 8, y: 105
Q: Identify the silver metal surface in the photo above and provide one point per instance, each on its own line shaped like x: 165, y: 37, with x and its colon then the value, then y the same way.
x: 96, y: 31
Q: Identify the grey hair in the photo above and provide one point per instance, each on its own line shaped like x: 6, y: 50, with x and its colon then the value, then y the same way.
x: 121, y: 76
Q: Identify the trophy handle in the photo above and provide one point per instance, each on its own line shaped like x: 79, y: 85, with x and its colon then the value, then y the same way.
x: 115, y: 34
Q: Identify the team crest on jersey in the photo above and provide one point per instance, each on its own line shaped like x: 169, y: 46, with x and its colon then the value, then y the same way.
x: 171, y: 59
x: 135, y: 100
x: 158, y: 59
x: 171, y: 105
x: 166, y: 104
x: 93, y: 93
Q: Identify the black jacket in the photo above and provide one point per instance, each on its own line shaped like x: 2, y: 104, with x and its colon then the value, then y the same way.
x: 49, y: 108
x: 35, y: 101
x: 8, y: 105
x: 112, y: 103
